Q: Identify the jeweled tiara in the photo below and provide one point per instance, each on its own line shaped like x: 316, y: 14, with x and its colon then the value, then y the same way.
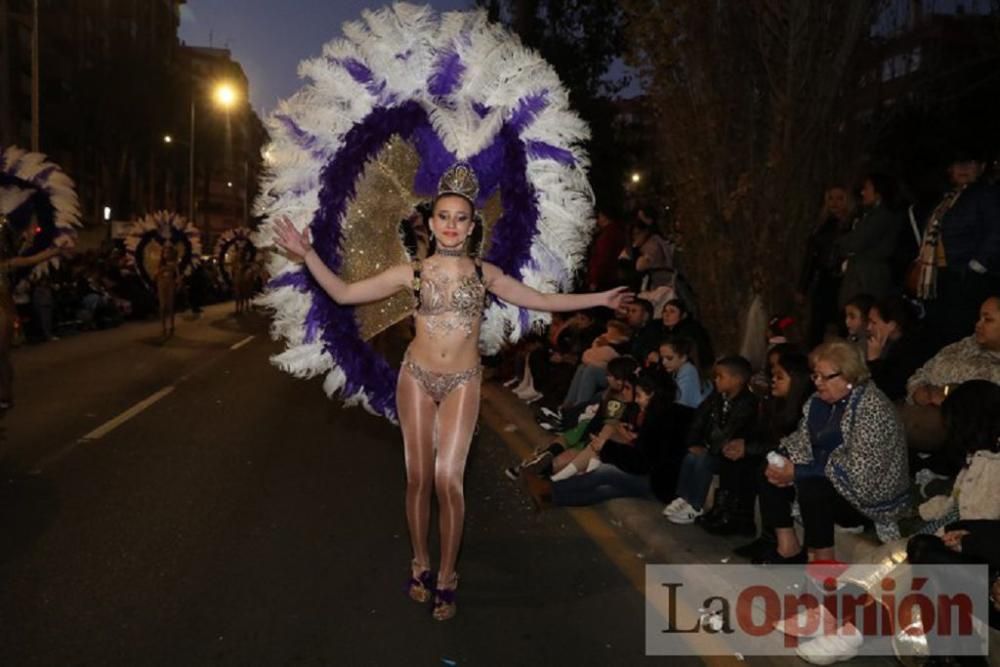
x: 460, y: 179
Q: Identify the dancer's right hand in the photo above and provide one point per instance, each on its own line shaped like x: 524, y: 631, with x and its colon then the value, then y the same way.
x: 295, y: 243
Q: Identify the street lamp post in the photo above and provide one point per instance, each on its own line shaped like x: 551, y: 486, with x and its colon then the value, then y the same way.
x: 225, y: 96
x: 191, y: 167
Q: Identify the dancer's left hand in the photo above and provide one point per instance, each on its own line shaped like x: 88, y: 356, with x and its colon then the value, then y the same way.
x: 616, y: 297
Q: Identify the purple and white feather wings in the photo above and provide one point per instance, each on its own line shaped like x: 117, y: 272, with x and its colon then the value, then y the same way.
x: 456, y: 87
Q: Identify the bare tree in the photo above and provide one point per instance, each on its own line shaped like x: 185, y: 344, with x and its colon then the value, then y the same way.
x: 751, y: 102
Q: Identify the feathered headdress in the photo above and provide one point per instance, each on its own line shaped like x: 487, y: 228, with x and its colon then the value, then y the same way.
x: 148, y: 235
x: 34, y: 190
x: 231, y: 244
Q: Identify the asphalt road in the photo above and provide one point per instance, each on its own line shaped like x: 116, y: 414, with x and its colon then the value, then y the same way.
x: 238, y: 516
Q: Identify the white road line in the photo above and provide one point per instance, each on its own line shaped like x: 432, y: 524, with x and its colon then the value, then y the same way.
x: 115, y: 422
x: 136, y: 409
x: 236, y: 346
x: 103, y: 429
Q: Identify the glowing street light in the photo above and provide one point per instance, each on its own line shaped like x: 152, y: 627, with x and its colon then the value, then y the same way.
x: 225, y: 95
x: 636, y: 177
x: 167, y: 139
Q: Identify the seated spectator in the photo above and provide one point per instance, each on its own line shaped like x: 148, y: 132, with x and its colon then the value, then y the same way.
x: 677, y: 321
x: 846, y: 462
x: 856, y: 318
x: 523, y: 377
x: 733, y: 510
x: 577, y: 424
x: 894, y: 349
x: 625, y: 460
x: 790, y: 387
x: 974, y: 358
x: 675, y: 357
x: 554, y: 364
x: 645, y: 332
x: 589, y: 379
x: 970, y: 416
x: 963, y: 525
x: 728, y: 414
x: 659, y: 297
x: 974, y: 541
x: 760, y: 383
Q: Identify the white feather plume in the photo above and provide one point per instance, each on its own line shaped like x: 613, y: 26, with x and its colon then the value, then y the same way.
x: 163, y: 225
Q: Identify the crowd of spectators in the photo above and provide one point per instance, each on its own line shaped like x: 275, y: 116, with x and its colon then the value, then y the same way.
x: 97, y: 289
x: 883, y: 416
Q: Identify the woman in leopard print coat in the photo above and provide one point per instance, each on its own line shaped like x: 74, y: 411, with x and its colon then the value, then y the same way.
x: 848, y: 458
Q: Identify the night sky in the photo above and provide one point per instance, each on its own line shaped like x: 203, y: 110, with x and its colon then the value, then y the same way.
x: 270, y: 38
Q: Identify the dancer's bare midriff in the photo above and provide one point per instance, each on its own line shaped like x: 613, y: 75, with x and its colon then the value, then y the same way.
x: 448, y: 318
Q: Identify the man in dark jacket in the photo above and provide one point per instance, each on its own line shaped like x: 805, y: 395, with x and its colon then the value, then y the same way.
x: 819, y: 281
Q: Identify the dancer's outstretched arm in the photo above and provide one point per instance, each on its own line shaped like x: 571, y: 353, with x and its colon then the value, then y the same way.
x: 297, y: 246
x: 517, y: 293
x: 31, y: 260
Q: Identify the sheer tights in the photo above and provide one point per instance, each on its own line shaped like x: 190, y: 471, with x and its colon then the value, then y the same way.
x: 451, y: 423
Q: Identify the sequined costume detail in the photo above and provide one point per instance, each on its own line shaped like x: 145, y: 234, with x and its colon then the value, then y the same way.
x: 439, y: 385
x: 447, y: 304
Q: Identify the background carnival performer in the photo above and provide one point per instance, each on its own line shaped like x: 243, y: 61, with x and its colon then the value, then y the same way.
x: 168, y: 278
x: 11, y: 244
x: 404, y: 97
x: 237, y: 258
x: 163, y: 248
x: 38, y: 212
x: 438, y: 390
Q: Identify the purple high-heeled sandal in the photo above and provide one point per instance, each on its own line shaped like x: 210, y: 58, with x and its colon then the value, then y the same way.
x: 419, y: 587
x: 444, y: 601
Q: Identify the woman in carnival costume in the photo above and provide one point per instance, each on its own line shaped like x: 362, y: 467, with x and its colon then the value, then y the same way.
x: 163, y: 248
x: 439, y: 384
x: 410, y: 103
x: 38, y: 212
x: 168, y: 278
x: 237, y: 257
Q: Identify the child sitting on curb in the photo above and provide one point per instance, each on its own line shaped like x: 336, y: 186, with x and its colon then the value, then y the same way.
x: 728, y: 414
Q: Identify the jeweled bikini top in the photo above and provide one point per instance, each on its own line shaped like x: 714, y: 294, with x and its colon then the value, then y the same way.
x: 447, y: 304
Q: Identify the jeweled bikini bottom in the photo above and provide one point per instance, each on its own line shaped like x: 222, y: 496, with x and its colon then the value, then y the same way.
x: 439, y: 385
